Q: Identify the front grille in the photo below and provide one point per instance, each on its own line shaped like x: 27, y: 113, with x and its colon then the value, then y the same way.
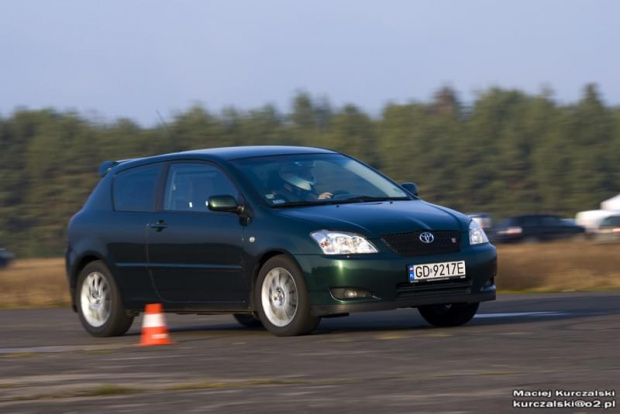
x: 409, y: 244
x: 408, y: 290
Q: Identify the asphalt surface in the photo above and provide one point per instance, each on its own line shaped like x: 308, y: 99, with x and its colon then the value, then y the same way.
x: 388, y: 362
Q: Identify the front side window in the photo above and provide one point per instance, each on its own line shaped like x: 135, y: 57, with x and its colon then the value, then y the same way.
x: 611, y: 221
x: 315, y: 179
x: 135, y: 189
x: 190, y: 185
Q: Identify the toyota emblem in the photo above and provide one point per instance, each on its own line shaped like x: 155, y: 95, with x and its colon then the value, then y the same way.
x: 427, y: 237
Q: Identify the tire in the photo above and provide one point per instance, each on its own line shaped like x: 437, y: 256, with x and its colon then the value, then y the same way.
x: 282, y: 300
x: 249, y: 321
x: 455, y: 314
x: 99, y: 303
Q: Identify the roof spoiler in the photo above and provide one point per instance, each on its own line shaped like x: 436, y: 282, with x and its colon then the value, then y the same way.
x: 106, y: 166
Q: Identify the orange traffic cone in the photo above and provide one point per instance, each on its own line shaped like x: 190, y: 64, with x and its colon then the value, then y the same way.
x: 154, y: 329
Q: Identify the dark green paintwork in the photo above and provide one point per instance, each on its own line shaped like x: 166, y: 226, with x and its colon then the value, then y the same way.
x: 209, y: 261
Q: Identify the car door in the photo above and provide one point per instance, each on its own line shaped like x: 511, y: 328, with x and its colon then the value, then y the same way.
x: 554, y: 228
x: 195, y: 255
x: 125, y: 230
x: 531, y: 228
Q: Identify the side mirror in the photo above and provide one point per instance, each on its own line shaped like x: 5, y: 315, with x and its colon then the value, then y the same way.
x: 411, y: 188
x: 225, y: 203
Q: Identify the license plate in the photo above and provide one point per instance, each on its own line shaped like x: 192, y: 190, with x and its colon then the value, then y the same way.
x: 436, y: 271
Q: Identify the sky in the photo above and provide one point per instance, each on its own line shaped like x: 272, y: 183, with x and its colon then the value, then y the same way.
x: 122, y: 58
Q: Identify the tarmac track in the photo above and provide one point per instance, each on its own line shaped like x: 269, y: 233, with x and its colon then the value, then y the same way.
x: 388, y: 362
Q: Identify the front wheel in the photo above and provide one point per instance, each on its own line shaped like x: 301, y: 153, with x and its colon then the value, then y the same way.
x: 282, y: 300
x: 454, y: 314
x: 99, y: 302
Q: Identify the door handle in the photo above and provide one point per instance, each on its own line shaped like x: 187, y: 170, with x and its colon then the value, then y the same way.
x: 159, y: 225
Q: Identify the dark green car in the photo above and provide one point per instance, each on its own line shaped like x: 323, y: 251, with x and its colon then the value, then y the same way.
x: 275, y: 235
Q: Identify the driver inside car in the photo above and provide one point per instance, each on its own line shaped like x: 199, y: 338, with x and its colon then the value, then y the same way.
x: 298, y: 182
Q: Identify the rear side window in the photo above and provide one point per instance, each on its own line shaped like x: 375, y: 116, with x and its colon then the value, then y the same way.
x: 135, y: 189
x: 530, y: 221
x: 509, y: 222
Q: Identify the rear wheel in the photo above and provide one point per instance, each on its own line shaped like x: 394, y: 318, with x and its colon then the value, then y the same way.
x: 282, y: 299
x: 247, y: 320
x: 454, y: 314
x: 99, y: 304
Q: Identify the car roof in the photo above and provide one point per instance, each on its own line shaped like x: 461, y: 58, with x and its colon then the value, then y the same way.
x: 223, y: 153
x: 231, y: 153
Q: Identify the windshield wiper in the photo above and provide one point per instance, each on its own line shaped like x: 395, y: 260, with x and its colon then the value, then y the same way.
x: 363, y: 199
x: 320, y: 202
x: 302, y: 203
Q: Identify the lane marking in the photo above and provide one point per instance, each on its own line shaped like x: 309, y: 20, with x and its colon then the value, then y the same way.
x: 518, y: 314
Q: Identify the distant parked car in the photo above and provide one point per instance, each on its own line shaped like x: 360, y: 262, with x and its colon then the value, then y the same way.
x: 592, y: 219
x: 609, y: 229
x: 5, y: 258
x: 485, y: 220
x: 535, y: 227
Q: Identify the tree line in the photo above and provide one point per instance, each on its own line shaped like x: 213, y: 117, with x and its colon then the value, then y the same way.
x: 508, y: 152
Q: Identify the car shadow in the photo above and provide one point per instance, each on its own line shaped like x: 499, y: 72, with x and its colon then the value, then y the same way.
x: 393, y: 321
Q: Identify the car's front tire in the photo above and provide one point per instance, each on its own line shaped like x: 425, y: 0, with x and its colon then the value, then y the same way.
x: 282, y: 300
x: 454, y: 314
x: 99, y: 304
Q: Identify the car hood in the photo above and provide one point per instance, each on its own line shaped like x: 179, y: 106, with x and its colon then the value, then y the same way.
x: 374, y: 219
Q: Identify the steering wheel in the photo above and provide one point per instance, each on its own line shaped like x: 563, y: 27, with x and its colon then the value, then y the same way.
x: 338, y: 194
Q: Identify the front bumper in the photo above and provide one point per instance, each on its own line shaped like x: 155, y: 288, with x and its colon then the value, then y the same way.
x: 386, y: 276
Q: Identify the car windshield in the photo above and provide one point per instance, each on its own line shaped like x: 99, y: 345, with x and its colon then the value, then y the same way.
x: 310, y: 179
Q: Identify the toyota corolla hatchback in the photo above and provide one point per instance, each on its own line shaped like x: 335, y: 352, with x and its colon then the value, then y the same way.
x: 278, y: 236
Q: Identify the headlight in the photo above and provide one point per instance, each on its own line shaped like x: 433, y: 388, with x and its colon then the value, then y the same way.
x: 476, y: 234
x: 334, y: 242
